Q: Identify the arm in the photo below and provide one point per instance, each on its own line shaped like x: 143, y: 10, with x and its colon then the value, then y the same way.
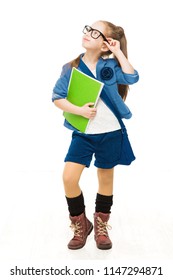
x: 60, y: 93
x: 86, y: 111
x: 114, y: 47
x: 124, y: 63
x: 125, y: 73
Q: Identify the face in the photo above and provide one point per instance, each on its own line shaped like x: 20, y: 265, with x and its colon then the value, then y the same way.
x: 92, y: 39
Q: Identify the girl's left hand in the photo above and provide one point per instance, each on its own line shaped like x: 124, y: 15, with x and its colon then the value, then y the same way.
x: 113, y: 45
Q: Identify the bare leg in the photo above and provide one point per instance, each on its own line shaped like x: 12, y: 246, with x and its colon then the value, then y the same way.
x: 71, y: 176
x: 105, y: 179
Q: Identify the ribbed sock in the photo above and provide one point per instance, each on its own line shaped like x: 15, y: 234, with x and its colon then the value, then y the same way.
x: 76, y: 205
x: 103, y: 203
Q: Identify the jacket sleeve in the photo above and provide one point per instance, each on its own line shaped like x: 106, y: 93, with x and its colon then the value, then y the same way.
x: 61, y: 87
x: 124, y: 78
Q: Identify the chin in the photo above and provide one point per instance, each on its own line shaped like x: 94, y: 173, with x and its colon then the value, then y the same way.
x: 84, y: 45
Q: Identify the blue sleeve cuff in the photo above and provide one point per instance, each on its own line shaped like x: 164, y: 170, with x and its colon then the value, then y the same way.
x: 131, y: 78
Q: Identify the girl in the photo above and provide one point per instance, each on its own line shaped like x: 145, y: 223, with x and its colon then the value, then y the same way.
x: 106, y: 136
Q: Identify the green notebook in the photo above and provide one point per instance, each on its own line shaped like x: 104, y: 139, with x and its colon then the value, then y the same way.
x: 82, y: 89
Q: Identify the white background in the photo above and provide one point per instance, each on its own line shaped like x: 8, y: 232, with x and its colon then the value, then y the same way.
x: 37, y: 38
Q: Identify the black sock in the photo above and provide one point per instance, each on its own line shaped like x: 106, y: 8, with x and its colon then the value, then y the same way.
x: 76, y: 205
x: 103, y: 203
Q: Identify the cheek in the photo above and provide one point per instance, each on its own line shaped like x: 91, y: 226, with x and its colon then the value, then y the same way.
x: 97, y: 43
x: 92, y: 43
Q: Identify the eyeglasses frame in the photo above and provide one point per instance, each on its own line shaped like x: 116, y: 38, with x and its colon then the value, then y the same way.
x: 93, y: 29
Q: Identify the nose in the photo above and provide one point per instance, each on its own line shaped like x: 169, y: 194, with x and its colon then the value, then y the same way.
x: 87, y: 32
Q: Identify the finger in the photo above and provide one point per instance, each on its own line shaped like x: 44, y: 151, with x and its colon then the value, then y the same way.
x: 113, y: 42
x: 93, y: 109
x: 92, y: 113
x: 110, y: 40
x: 92, y: 117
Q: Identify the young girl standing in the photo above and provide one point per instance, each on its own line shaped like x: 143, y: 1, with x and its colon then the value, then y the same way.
x: 106, y: 137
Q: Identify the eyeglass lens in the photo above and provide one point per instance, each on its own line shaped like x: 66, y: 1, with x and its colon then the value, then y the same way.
x: 94, y: 33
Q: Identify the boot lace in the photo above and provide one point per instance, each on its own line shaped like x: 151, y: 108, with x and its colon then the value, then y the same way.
x: 102, y: 227
x: 76, y: 228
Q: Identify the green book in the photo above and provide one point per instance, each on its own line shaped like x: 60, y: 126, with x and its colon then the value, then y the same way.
x: 82, y: 89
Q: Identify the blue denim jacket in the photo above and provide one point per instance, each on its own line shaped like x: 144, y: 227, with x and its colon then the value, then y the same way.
x: 108, y: 72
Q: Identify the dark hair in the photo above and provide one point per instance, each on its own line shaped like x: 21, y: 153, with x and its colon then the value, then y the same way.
x: 117, y: 33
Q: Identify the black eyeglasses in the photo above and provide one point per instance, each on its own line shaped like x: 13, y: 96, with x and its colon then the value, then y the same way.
x: 95, y: 34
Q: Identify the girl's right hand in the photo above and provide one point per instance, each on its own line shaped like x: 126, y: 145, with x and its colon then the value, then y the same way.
x: 87, y: 111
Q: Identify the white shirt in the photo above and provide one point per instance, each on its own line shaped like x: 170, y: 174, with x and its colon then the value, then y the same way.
x: 104, y: 120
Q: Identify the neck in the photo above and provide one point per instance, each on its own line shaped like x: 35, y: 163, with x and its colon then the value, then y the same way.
x: 90, y: 60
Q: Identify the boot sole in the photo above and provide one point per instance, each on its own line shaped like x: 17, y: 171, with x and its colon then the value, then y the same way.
x: 104, y: 247
x: 81, y: 246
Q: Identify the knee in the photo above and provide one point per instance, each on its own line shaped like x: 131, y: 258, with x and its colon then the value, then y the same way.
x: 69, y: 178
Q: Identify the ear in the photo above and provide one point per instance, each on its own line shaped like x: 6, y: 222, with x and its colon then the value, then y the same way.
x: 104, y: 48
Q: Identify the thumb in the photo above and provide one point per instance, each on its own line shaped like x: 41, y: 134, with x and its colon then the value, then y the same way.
x: 89, y: 104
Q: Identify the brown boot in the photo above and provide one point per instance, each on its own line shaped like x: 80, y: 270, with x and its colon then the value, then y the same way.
x: 82, y: 227
x: 100, y: 227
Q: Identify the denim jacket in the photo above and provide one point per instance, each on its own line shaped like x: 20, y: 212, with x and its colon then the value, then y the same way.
x: 108, y: 72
